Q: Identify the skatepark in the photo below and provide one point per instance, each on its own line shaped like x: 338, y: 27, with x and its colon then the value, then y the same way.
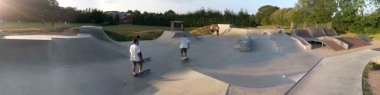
x: 90, y: 63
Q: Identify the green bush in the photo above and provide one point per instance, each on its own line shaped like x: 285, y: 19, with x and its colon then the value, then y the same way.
x: 371, y: 30
x: 366, y: 87
x: 370, y: 66
x: 375, y: 66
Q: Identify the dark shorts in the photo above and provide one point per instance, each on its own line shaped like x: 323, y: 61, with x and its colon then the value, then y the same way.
x: 136, y: 62
x: 183, y: 50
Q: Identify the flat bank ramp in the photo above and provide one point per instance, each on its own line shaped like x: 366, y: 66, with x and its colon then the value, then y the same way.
x: 287, y: 44
x: 333, y: 45
x: 354, y: 42
x: 336, y: 75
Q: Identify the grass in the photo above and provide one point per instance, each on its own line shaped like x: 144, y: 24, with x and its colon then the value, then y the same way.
x: 129, y: 31
x: 24, y: 26
x: 121, y: 32
x: 125, y: 32
x: 375, y: 36
x: 366, y: 87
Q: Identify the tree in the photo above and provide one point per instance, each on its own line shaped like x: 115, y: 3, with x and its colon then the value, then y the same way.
x: 54, y: 11
x: 68, y: 14
x: 316, y: 11
x: 264, y: 13
x: 349, y: 15
x: 280, y: 17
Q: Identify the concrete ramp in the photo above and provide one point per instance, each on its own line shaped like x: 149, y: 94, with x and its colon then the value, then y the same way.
x: 331, y: 32
x: 84, y: 50
x: 188, y: 82
x: 262, y: 32
x: 86, y: 65
x: 302, y: 42
x: 333, y: 45
x: 305, y: 34
x: 166, y: 36
x: 354, y: 42
x: 271, y: 40
x: 264, y: 44
x: 30, y: 51
x: 316, y: 32
x: 237, y: 32
x: 96, y: 32
x: 24, y: 67
x: 336, y: 75
x: 56, y: 66
x: 287, y: 44
x: 172, y: 37
x: 224, y: 29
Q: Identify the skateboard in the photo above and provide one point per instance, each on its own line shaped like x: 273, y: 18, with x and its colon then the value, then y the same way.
x: 185, y: 60
x: 142, y: 73
x: 146, y: 59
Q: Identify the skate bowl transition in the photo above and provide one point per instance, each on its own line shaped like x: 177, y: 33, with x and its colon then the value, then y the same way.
x: 91, y: 63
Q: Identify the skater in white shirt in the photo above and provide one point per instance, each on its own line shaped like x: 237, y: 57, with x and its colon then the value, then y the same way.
x: 184, y: 46
x: 135, y: 56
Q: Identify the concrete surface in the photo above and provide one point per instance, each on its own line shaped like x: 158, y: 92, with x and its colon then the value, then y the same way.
x: 97, y: 65
x: 337, y: 75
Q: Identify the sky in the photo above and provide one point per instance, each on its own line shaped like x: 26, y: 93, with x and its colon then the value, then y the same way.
x: 179, y: 6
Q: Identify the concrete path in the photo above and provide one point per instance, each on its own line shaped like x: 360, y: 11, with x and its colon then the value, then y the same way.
x: 336, y: 75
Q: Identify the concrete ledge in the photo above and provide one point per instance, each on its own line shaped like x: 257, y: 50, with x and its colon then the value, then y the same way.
x: 302, y: 42
x: 339, y: 42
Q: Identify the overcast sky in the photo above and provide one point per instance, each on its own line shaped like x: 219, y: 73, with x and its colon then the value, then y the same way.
x: 179, y: 6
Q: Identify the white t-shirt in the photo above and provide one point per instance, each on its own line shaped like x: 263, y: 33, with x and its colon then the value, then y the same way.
x: 134, y: 50
x: 183, y: 43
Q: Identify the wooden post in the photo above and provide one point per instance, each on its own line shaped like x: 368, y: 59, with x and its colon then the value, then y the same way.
x: 172, y: 26
x: 182, y: 28
x: 316, y: 25
x: 329, y: 25
x: 292, y: 26
x: 304, y: 25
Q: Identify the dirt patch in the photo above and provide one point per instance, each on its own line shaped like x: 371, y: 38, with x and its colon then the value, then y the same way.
x: 201, y: 31
x: 374, y: 81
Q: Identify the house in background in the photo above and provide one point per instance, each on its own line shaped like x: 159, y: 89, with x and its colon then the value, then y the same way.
x: 124, y: 17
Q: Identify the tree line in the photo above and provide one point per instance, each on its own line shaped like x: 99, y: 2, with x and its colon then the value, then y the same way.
x: 345, y: 15
x: 358, y: 16
x: 49, y: 11
x: 198, y: 18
